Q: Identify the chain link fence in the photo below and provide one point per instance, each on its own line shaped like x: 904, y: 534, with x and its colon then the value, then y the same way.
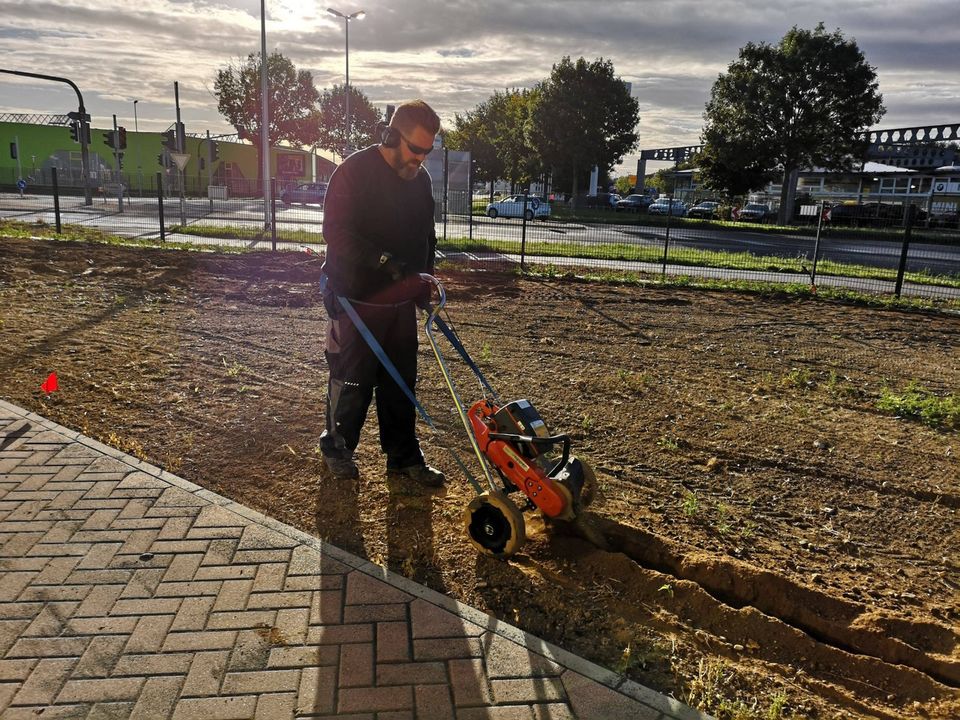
x: 872, y: 246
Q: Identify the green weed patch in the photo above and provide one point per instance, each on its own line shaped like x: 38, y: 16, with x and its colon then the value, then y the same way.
x: 916, y: 402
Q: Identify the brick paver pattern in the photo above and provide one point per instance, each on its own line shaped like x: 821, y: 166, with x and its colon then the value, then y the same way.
x: 126, y: 592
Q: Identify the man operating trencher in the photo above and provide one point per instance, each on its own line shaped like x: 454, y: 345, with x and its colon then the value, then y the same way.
x: 379, y: 230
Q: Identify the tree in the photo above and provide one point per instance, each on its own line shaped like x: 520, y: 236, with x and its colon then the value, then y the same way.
x: 365, y: 120
x: 495, y: 133
x: 623, y: 184
x: 583, y: 116
x: 292, y: 97
x: 796, y: 104
x: 511, y: 112
x: 475, y: 131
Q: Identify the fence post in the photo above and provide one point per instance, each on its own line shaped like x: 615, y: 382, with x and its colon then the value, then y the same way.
x: 901, y: 269
x: 816, y: 245
x: 470, y: 200
x: 273, y: 214
x: 56, y: 197
x: 446, y: 189
x: 523, y: 234
x: 163, y: 229
x: 666, y: 237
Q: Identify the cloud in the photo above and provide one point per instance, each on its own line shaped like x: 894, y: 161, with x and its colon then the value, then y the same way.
x: 455, y: 53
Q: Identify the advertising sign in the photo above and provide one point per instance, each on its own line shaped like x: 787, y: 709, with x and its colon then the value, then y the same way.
x: 290, y: 164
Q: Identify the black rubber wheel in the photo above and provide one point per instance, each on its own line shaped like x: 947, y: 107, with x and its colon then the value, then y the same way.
x: 494, y: 525
x: 492, y: 213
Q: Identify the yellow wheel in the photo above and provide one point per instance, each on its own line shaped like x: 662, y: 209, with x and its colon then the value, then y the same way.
x: 494, y: 524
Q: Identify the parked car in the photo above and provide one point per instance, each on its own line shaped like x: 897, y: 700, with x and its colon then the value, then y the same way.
x: 513, y: 206
x: 707, y: 209
x: 945, y: 218
x: 871, y: 213
x: 600, y: 201
x: 634, y: 203
x: 663, y: 207
x: 754, y: 212
x: 307, y: 193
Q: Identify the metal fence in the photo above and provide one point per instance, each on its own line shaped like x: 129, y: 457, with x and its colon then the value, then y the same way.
x: 872, y: 247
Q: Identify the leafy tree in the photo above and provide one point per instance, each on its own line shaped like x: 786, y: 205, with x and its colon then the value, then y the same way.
x: 796, y: 104
x: 292, y: 98
x: 511, y: 112
x: 583, y: 116
x: 623, y: 185
x: 365, y: 120
x: 495, y: 132
x: 475, y: 132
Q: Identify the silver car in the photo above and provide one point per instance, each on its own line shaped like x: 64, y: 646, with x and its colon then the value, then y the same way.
x: 519, y: 206
x: 662, y: 207
x: 307, y: 193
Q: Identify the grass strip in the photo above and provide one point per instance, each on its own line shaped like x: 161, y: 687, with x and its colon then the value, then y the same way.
x: 688, y: 257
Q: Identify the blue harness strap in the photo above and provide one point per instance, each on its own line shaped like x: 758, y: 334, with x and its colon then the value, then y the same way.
x: 458, y: 346
x: 395, y: 374
x: 382, y: 357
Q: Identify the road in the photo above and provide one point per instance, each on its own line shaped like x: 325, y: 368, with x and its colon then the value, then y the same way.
x: 140, y: 219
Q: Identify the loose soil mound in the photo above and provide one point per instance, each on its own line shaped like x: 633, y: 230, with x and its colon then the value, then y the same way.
x: 765, y: 541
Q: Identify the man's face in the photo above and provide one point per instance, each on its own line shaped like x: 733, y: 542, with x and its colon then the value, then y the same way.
x: 413, y: 148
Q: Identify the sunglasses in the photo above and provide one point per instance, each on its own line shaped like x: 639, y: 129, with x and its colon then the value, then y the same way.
x: 416, y: 149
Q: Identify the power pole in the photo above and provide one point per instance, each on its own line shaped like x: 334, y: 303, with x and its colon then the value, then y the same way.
x: 180, y: 142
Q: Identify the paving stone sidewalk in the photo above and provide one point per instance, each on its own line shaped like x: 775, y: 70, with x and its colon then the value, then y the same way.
x: 128, y: 592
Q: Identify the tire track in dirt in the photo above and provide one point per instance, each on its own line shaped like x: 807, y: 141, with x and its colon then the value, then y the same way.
x: 837, y: 624
x: 839, y: 479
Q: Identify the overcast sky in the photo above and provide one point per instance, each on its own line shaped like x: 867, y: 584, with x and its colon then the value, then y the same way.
x: 454, y: 54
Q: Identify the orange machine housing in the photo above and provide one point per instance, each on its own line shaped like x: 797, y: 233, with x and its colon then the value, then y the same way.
x: 516, y: 461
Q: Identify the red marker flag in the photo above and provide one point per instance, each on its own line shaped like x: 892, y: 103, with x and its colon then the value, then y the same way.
x: 50, y: 384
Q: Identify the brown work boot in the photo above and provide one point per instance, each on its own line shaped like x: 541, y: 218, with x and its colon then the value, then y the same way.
x: 341, y: 468
x: 423, y: 474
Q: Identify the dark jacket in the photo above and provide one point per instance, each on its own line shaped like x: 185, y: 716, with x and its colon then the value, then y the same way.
x: 378, y: 228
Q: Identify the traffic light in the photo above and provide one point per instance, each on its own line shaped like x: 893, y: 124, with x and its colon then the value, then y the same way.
x: 214, y: 151
x: 75, y: 131
x: 110, y: 140
x: 121, y: 138
x: 13, y: 151
x: 120, y: 160
x: 170, y: 139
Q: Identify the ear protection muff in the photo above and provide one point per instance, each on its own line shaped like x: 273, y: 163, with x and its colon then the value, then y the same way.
x: 390, y: 137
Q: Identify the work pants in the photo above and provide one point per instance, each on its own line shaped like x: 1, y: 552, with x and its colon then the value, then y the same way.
x: 355, y: 372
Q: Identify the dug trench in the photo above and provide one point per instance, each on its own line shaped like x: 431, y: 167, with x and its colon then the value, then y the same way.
x: 768, y: 543
x: 886, y: 651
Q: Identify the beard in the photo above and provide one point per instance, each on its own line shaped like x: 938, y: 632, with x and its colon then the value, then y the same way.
x: 408, y: 170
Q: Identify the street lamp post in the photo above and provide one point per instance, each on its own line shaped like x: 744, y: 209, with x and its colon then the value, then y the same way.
x: 358, y: 15
x: 136, y: 131
x: 264, y: 117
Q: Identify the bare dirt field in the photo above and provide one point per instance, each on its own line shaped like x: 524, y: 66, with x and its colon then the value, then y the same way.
x: 776, y: 546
